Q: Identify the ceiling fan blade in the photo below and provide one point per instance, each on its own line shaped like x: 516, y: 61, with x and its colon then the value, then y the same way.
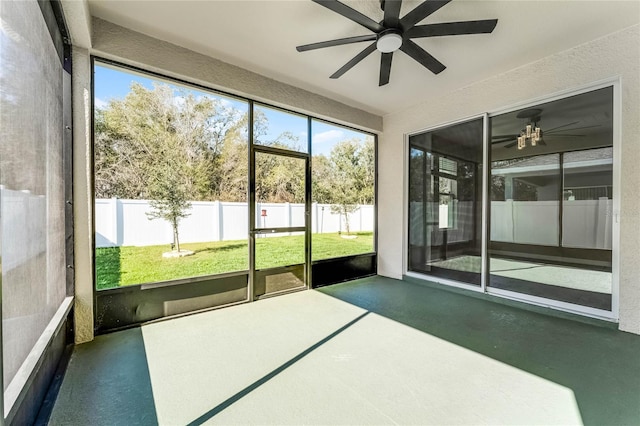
x: 349, y: 13
x: 542, y: 142
x: 515, y: 135
x: 562, y: 136
x: 420, y: 12
x: 385, y: 68
x: 501, y: 141
x: 338, y: 42
x: 392, y: 13
x: 510, y: 145
x: 560, y: 127
x: 573, y: 128
x: 360, y: 56
x: 421, y: 56
x: 453, y: 28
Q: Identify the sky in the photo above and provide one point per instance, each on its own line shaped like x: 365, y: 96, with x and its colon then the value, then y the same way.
x: 111, y: 83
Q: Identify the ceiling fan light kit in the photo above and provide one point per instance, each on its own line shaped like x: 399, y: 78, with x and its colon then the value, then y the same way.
x: 533, y: 135
x: 394, y: 33
x: 529, y: 134
x: 389, y: 41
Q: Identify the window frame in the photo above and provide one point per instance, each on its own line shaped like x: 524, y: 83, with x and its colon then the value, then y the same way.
x: 345, y: 267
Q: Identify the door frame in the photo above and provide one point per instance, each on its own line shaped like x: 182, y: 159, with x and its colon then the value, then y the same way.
x: 257, y: 230
x: 613, y: 315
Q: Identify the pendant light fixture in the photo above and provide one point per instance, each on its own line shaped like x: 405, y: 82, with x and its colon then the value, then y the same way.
x: 531, y: 134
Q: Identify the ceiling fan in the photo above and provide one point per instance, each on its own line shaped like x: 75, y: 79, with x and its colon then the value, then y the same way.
x: 532, y: 131
x: 394, y: 33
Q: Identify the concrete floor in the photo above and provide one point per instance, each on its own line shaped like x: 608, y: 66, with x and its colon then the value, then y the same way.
x: 371, y: 351
x: 559, y: 276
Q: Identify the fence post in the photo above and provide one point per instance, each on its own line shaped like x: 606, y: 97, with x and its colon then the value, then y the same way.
x: 113, y: 212
x: 601, y: 223
x: 259, y: 219
x: 217, y: 218
x: 509, y: 219
x: 287, y: 215
x: 314, y: 217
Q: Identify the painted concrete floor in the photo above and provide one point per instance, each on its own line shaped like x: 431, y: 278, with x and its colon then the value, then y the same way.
x: 371, y: 351
x: 559, y: 276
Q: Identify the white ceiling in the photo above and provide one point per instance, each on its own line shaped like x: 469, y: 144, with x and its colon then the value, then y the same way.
x: 262, y: 35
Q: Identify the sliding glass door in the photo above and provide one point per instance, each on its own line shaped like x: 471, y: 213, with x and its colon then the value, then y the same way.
x: 549, y: 203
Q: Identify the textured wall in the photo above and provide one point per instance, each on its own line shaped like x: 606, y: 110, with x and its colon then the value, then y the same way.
x: 613, y: 56
x: 82, y: 195
x: 118, y: 43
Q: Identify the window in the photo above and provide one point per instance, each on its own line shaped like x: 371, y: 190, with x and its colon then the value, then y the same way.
x: 171, y: 173
x: 279, y: 129
x: 170, y: 180
x: 343, y: 188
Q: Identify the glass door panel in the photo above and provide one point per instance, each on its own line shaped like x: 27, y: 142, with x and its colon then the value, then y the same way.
x: 445, y: 222
x: 552, y: 200
x: 280, y: 191
x: 280, y: 262
x: 279, y: 234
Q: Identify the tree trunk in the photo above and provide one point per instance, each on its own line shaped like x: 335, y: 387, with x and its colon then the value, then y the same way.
x: 176, y: 241
x: 346, y: 221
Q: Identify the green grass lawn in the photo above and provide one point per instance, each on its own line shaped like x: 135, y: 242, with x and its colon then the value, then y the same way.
x: 121, y: 266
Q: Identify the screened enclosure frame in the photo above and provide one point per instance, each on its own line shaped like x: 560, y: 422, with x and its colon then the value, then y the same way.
x: 25, y: 386
x: 613, y: 314
x: 324, y: 271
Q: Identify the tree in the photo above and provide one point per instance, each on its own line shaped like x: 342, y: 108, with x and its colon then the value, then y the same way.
x: 165, y: 145
x: 352, y: 177
x: 169, y: 198
x: 173, y: 146
x: 279, y: 179
x: 321, y: 181
x: 130, y: 135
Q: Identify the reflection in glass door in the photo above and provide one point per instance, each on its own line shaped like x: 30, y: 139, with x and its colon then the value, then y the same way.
x: 279, y: 234
x: 445, y: 187
x: 551, y: 221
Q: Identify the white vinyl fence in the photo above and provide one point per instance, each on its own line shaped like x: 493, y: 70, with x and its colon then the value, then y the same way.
x: 125, y: 223
x: 586, y: 223
x: 25, y: 225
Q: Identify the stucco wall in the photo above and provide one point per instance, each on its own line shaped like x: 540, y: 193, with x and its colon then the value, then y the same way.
x: 82, y: 196
x: 614, y: 56
x: 114, y: 42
